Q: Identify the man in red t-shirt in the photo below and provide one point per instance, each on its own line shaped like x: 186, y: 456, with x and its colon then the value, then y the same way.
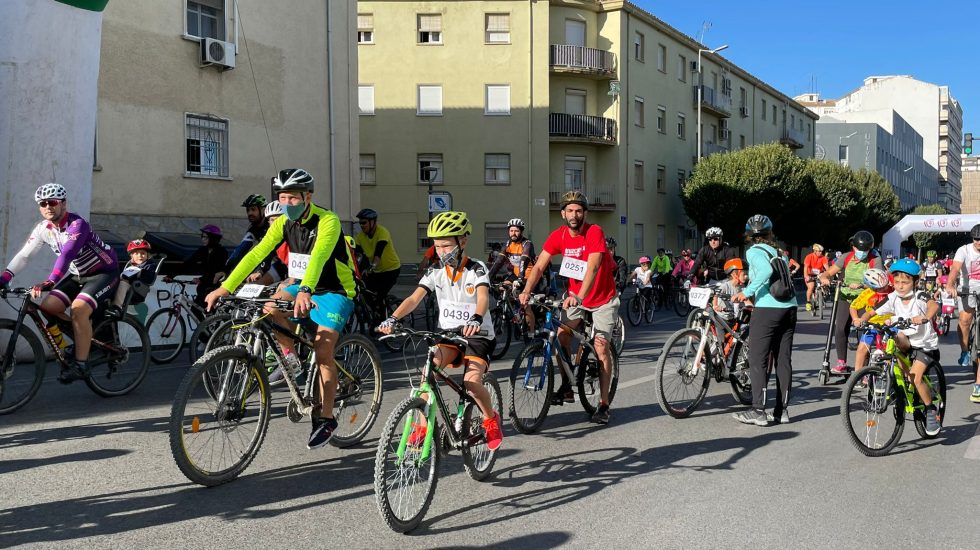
x: 590, y: 270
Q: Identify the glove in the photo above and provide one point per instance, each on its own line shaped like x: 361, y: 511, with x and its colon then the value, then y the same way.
x: 390, y: 322
x: 43, y: 287
x: 5, y: 278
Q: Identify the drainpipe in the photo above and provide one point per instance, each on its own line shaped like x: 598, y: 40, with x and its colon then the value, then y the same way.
x: 530, y: 122
x: 330, y: 121
x: 623, y: 106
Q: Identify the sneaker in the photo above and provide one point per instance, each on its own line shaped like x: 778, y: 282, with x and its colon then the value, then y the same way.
x: 840, y: 368
x: 321, y: 433
x: 752, y: 416
x: 975, y: 396
x: 563, y: 395
x: 417, y: 437
x: 601, y: 415
x: 113, y: 312
x: 965, y: 359
x: 76, y: 370
x: 783, y: 418
x: 932, y: 422
x: 863, y: 383
x: 491, y: 429
x: 809, y: 306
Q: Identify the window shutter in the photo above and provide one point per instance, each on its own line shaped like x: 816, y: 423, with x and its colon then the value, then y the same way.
x: 430, y: 99
x: 498, y: 99
x: 365, y: 21
x: 498, y: 22
x: 430, y: 23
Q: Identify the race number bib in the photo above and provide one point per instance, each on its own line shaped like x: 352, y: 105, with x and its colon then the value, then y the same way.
x: 815, y: 271
x: 930, y: 272
x: 948, y: 301
x: 297, y: 265
x: 455, y: 314
x: 250, y: 291
x: 573, y: 269
x: 698, y: 296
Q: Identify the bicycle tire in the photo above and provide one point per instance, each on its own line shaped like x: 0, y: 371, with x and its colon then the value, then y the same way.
x: 587, y: 380
x: 634, y: 309
x: 693, y: 318
x: 938, y: 380
x: 478, y: 460
x: 224, y: 361
x: 393, y: 344
x: 173, y: 330
x: 682, y: 306
x: 874, y: 405
x: 352, y: 350
x: 28, y: 347
x: 201, y: 339
x: 103, y: 369
x: 502, y: 332
x: 388, y: 468
x: 537, y: 380
x: 618, y: 336
x: 686, y: 342
x: 648, y: 313
x: 738, y: 372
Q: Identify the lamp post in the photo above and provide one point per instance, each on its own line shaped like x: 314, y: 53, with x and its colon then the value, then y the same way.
x: 701, y: 90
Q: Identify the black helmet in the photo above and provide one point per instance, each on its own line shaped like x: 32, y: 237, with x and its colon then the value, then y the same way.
x: 863, y: 240
x: 975, y: 232
x: 610, y: 242
x: 255, y: 200
x: 758, y: 225
x: 366, y: 214
x: 293, y: 179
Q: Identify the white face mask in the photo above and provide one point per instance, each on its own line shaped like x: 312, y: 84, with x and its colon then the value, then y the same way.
x: 450, y: 258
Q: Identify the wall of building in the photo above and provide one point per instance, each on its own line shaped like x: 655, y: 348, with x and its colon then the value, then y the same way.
x: 971, y: 185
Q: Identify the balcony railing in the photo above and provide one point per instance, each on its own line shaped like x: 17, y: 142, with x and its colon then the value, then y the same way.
x: 592, y: 129
x: 709, y: 149
x: 601, y: 197
x: 714, y: 102
x: 579, y: 59
x: 792, y: 138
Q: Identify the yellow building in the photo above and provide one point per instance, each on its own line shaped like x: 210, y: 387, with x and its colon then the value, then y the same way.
x: 513, y: 103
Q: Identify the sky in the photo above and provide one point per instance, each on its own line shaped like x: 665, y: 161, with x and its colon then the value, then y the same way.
x: 836, y: 44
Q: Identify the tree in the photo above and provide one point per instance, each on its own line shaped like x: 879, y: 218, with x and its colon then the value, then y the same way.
x: 881, y: 205
x: 840, y: 201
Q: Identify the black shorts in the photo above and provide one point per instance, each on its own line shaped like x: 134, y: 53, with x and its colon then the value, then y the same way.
x: 926, y: 356
x: 476, y: 348
x: 92, y: 289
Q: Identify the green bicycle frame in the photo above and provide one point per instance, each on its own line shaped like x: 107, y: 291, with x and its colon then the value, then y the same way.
x: 900, y: 366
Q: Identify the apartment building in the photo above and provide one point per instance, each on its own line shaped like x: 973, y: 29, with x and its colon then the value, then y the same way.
x: 200, y: 102
x: 971, y: 185
x: 506, y: 105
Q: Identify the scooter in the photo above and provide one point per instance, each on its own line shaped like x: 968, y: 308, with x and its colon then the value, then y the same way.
x: 824, y: 374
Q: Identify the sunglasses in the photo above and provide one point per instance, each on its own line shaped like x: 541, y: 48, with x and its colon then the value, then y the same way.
x: 363, y: 222
x: 715, y: 239
x: 47, y: 203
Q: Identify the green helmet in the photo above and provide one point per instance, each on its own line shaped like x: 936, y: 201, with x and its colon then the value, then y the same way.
x: 449, y: 224
x: 931, y: 254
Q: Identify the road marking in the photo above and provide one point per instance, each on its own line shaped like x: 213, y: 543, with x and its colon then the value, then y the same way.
x: 638, y: 381
x: 973, y: 451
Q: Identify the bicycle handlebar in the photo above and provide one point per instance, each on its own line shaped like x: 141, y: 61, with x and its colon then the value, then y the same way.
x: 451, y: 335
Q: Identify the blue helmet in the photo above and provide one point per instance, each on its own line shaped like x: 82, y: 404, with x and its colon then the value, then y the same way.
x: 758, y: 225
x: 907, y: 266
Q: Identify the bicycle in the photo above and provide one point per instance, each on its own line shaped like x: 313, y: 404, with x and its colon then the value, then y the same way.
x: 885, y: 383
x: 640, y: 307
x: 682, y: 307
x: 119, y: 359
x: 168, y: 326
x: 692, y: 356
x: 366, y: 316
x: 406, y: 465
x: 532, y: 377
x: 818, y: 300
x: 947, y: 313
x: 227, y: 390
x: 507, y: 316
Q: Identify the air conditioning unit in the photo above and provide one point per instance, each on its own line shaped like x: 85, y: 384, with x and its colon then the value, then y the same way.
x: 744, y: 111
x: 217, y: 52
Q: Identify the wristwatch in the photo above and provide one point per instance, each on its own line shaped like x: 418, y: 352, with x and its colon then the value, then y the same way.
x: 305, y: 289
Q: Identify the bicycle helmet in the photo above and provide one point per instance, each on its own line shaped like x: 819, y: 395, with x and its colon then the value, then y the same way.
x: 573, y: 197
x: 714, y: 232
x: 516, y: 222
x: 817, y: 247
x: 449, y: 224
x: 293, y: 179
x: 138, y: 244
x: 975, y: 232
x: 931, y: 254
x: 758, y: 225
x: 644, y: 259
x: 273, y: 209
x: 610, y: 242
x: 876, y: 279
x: 907, y: 266
x: 366, y: 214
x: 211, y: 229
x: 56, y: 191
x: 255, y: 200
x: 733, y: 265
x: 863, y: 240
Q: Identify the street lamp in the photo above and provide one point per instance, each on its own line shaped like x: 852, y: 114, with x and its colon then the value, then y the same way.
x: 701, y: 90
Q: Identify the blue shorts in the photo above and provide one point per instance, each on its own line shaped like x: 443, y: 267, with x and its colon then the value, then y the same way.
x: 868, y: 338
x: 331, y: 309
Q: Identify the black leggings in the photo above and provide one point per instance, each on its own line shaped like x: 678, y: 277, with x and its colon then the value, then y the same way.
x: 381, y: 284
x: 842, y: 322
x: 771, y: 332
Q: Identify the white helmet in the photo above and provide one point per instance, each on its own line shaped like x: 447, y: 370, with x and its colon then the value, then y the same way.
x: 50, y: 191
x: 714, y: 232
x: 273, y: 209
x: 875, y: 279
x: 516, y: 222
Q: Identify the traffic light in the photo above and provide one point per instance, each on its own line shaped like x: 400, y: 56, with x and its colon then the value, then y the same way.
x: 968, y: 143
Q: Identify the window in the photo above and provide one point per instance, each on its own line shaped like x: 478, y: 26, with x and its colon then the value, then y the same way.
x: 497, y: 168
x: 207, y: 146
x: 638, y: 46
x: 682, y: 68
x: 661, y: 119
x: 497, y: 99
x: 637, y: 237
x: 680, y: 180
x: 741, y: 141
x: 681, y: 126
x: 498, y: 28
x: 808, y: 131
x: 430, y: 28
x: 661, y: 178
x: 774, y: 115
x: 430, y: 161
x: 742, y: 98
x: 574, y: 173
x: 638, y: 174
x: 661, y: 236
x: 365, y: 99
x: 369, y: 170
x: 638, y: 111
x: 792, y: 121
x: 422, y: 236
x: 763, y: 109
x: 575, y: 32
x: 842, y: 154
x: 206, y: 19
x: 661, y: 58
x: 495, y: 232
x: 430, y: 100
x: 681, y: 243
x: 574, y: 101
x: 365, y: 28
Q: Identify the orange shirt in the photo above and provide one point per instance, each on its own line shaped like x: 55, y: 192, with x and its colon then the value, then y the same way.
x: 814, y: 264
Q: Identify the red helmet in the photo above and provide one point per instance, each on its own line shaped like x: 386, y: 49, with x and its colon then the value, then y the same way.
x: 138, y: 244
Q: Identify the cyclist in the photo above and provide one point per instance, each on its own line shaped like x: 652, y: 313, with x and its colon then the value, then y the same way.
x: 139, y: 274
x: 83, y: 274
x: 814, y: 264
x: 794, y: 265
x: 682, y: 270
x: 709, y: 266
x: 273, y: 269
x: 320, y: 259
x: 737, y: 278
x: 209, y: 260
x: 878, y: 285
x: 643, y: 276
x: 662, y: 268
x: 966, y: 270
x: 622, y: 268
x: 374, y: 241
x: 429, y: 259
x: 852, y: 266
x: 933, y: 269
x: 591, y: 288
x: 519, y: 256
x: 257, y: 226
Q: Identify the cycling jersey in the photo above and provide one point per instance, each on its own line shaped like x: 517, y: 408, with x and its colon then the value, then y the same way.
x: 661, y: 265
x: 713, y: 260
x: 932, y: 270
x: 575, y: 252
x: 318, y: 253
x: 644, y: 279
x: 814, y: 264
x: 380, y: 245
x: 79, y: 249
x: 253, y: 234
x: 518, y: 255
x: 920, y: 336
x: 683, y: 268
x: 456, y: 295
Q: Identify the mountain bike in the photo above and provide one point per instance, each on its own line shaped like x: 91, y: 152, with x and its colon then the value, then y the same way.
x: 532, y: 377
x: 947, y: 313
x: 118, y: 362
x: 220, y: 413
x: 168, y: 326
x: 818, y: 300
x: 406, y: 467
x: 366, y: 315
x: 877, y: 398
x: 682, y: 307
x: 692, y: 356
x: 640, y: 306
x: 507, y: 316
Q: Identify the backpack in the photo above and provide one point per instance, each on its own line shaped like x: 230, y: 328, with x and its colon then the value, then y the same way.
x: 780, y: 283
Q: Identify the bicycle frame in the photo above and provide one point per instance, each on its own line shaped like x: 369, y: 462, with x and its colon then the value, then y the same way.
x: 711, y: 329
x: 553, y: 347
x: 901, y: 370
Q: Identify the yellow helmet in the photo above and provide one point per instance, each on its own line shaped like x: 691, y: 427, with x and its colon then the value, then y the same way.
x: 449, y: 224
x: 574, y: 197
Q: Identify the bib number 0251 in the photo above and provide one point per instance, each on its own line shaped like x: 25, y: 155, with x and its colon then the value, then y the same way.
x: 573, y: 268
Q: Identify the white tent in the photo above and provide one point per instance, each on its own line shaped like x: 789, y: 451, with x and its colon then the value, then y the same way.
x: 927, y: 223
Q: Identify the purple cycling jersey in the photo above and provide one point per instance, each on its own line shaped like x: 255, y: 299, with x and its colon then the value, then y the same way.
x: 80, y: 251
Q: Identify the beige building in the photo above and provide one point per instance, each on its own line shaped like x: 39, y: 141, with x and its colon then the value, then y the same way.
x: 187, y: 130
x: 971, y: 185
x: 513, y: 103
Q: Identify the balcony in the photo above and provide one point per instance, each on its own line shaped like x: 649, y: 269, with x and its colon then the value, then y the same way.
x: 601, y: 197
x: 582, y: 129
x: 709, y: 149
x: 713, y: 102
x: 584, y: 61
x: 792, y: 138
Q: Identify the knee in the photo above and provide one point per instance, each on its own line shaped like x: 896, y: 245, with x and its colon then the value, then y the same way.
x: 80, y: 311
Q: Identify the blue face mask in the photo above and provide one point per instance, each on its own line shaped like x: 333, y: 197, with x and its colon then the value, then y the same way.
x: 294, y: 211
x: 860, y: 254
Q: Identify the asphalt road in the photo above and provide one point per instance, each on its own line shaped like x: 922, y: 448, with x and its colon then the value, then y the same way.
x: 80, y: 471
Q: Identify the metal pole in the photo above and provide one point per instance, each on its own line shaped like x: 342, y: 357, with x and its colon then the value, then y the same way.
x: 700, y: 91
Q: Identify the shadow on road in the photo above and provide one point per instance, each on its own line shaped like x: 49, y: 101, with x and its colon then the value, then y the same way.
x: 85, y: 431
x: 8, y: 466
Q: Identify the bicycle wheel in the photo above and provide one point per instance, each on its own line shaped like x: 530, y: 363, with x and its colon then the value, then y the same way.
x: 648, y: 313
x: 681, y: 385
x: 477, y: 458
x: 873, y: 429
x: 634, y: 310
x: 532, y: 383
x: 936, y: 379
x: 681, y: 306
x: 359, y: 394
x: 118, y: 368
x: 22, y: 365
x: 213, y: 441
x: 821, y: 305
x: 502, y: 328
x: 405, y: 476
x: 618, y: 336
x: 587, y: 378
x: 200, y: 342
x: 738, y: 373
x: 168, y: 332
x: 694, y: 319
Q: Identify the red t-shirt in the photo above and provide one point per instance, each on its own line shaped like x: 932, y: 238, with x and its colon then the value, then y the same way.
x: 578, y: 248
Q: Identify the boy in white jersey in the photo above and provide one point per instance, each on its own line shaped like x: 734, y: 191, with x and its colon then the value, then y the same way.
x: 461, y: 286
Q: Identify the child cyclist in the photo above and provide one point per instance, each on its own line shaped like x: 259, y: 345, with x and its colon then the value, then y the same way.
x: 461, y: 286
x: 920, y: 342
x: 738, y: 276
x: 878, y: 286
x: 643, y: 276
x: 139, y: 274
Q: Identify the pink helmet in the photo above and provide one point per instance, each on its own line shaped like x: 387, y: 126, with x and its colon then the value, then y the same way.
x: 644, y: 259
x: 211, y: 229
